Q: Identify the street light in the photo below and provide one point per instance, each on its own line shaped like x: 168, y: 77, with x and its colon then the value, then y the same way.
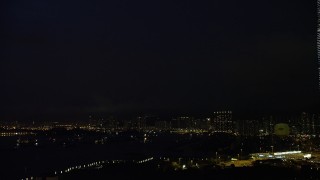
x: 241, y: 153
x: 272, y: 149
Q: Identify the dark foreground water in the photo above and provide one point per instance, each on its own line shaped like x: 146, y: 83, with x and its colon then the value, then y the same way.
x: 17, y: 163
x: 46, y: 158
x: 150, y: 171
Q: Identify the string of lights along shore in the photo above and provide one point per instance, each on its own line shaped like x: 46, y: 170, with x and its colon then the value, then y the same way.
x: 318, y: 40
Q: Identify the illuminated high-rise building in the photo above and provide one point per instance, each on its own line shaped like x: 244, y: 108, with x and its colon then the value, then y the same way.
x: 305, y: 124
x: 183, y: 122
x: 222, y: 121
x: 249, y: 127
x: 162, y: 125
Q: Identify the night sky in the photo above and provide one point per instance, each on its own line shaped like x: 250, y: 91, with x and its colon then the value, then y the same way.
x: 72, y: 58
